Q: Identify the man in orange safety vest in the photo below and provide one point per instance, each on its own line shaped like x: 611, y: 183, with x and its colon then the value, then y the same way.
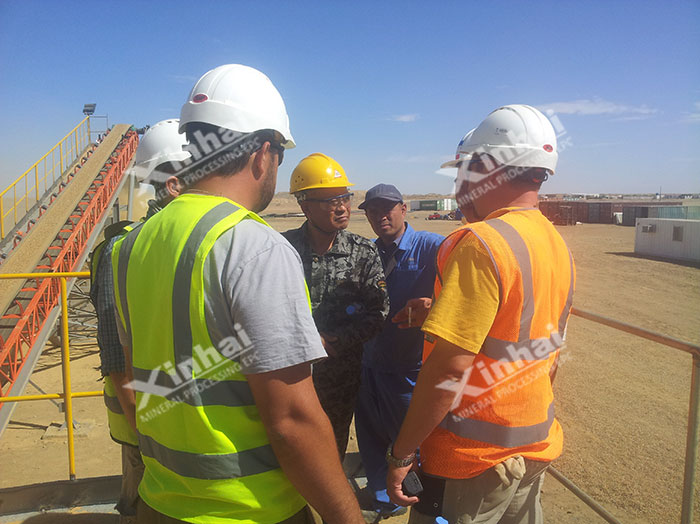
x: 482, y: 413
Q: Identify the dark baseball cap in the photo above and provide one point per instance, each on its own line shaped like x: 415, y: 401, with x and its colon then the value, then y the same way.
x: 382, y: 192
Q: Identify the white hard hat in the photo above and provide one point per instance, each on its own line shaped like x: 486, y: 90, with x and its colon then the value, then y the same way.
x: 461, y: 155
x: 238, y: 98
x: 515, y: 135
x: 160, y: 143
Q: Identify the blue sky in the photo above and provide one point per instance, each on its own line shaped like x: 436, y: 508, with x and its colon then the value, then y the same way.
x: 387, y: 89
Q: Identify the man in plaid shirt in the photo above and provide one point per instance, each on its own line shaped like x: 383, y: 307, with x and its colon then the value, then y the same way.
x: 159, y: 146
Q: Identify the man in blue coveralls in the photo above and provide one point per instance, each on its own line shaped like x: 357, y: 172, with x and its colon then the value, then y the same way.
x: 392, y: 359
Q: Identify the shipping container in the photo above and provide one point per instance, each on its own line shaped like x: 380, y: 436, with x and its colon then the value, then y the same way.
x: 606, y: 213
x: 680, y: 212
x: 668, y: 212
x: 428, y: 205
x: 446, y: 204
x: 630, y: 214
x: 549, y: 208
x: 603, y: 212
x: 423, y: 205
x: 693, y: 212
x: 580, y: 211
x: 559, y: 212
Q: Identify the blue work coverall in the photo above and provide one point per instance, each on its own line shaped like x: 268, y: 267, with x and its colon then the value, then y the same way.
x: 392, y: 359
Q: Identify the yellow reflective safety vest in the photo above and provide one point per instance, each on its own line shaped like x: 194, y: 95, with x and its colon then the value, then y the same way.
x: 119, y: 428
x: 507, y: 404
x: 206, y: 453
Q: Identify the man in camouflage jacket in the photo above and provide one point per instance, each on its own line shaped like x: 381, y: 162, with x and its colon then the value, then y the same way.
x: 346, y: 286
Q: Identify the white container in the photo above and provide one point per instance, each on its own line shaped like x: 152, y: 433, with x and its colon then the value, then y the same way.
x: 668, y: 238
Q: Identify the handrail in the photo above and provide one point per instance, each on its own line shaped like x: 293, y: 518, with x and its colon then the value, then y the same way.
x: 585, y: 497
x: 70, y: 148
x: 67, y: 394
x: 691, y: 444
x: 693, y: 349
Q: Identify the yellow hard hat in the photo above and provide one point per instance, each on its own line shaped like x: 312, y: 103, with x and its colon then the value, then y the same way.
x: 316, y: 171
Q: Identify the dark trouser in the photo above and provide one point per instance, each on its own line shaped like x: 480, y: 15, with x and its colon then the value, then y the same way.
x: 337, y: 385
x: 382, y: 404
x: 485, y: 499
x: 147, y: 515
x: 132, y: 473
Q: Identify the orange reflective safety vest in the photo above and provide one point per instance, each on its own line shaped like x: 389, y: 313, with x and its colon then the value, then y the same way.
x: 507, y: 404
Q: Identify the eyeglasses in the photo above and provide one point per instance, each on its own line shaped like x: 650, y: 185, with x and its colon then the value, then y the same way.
x: 333, y: 202
x: 280, y: 152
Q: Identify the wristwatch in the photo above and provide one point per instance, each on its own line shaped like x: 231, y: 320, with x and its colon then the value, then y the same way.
x: 396, y: 462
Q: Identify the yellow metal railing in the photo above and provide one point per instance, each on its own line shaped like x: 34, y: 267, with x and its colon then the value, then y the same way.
x: 23, y: 193
x: 67, y: 394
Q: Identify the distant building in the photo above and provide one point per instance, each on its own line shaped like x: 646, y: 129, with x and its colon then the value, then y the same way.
x: 668, y: 238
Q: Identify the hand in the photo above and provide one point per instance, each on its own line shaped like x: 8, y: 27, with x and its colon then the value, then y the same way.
x: 328, y: 340
x: 394, y: 478
x: 515, y: 466
x: 414, y: 313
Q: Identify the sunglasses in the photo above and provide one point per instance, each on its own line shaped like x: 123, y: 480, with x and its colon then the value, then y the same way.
x: 280, y: 152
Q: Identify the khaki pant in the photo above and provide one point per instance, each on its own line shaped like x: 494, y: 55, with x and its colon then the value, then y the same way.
x: 132, y: 472
x: 484, y: 499
x: 147, y: 515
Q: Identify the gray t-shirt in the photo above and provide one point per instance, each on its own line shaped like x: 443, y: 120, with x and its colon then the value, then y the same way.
x: 255, y: 291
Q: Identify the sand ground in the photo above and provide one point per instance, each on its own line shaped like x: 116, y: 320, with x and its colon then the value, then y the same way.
x: 622, y: 401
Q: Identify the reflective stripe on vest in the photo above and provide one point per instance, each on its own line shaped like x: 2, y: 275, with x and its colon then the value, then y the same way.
x: 512, y: 437
x: 201, y: 435
x: 203, y: 466
x: 119, y: 428
x: 507, y: 405
x: 121, y: 251
x: 210, y: 392
x: 497, y: 349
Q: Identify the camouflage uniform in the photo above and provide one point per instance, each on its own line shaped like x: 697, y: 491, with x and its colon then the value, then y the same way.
x: 349, y: 301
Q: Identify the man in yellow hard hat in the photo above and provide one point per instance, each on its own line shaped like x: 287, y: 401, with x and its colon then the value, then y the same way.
x: 346, y: 284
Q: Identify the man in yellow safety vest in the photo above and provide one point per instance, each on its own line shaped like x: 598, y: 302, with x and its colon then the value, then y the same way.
x: 214, y: 311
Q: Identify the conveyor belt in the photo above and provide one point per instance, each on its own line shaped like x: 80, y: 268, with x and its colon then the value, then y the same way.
x: 25, y: 257
x: 59, y: 241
